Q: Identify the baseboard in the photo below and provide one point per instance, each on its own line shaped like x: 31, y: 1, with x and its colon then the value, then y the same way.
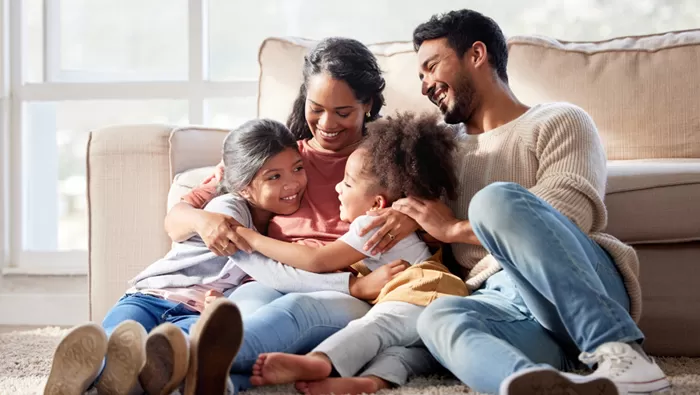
x: 43, y: 309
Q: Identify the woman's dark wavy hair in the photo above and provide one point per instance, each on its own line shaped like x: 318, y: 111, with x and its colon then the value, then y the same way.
x: 412, y: 155
x: 347, y: 60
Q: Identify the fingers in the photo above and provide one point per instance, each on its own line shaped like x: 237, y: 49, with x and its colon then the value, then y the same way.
x: 400, y: 267
x: 378, y: 220
x: 217, y: 248
x: 409, y: 206
x: 214, y: 293
x: 239, y: 242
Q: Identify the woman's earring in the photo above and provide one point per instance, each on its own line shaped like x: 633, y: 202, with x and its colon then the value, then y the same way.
x: 368, y: 115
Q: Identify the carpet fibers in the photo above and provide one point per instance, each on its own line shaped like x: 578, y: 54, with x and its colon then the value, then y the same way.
x: 25, y: 361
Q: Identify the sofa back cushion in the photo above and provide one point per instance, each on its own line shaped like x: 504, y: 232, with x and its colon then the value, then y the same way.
x: 642, y: 91
x: 281, y: 62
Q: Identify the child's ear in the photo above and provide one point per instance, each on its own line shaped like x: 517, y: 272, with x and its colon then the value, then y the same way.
x: 380, y: 202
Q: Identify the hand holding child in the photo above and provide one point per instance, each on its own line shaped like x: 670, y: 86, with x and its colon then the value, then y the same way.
x: 368, y: 287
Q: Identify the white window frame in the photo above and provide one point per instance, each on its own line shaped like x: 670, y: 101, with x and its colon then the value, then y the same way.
x: 13, y: 93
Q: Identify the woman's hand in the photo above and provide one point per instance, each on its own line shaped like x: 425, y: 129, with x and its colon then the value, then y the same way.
x: 218, y: 231
x: 395, y: 226
x: 368, y: 287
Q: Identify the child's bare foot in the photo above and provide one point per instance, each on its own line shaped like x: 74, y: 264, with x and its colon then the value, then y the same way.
x: 345, y: 385
x: 280, y: 368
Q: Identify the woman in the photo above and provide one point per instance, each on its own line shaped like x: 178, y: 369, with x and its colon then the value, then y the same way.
x: 342, y: 91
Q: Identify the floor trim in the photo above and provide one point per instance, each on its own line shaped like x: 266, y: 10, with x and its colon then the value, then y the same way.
x: 43, y: 309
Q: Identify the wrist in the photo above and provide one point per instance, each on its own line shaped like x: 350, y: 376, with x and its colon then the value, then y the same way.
x: 355, y: 287
x: 457, y: 232
x: 199, y: 222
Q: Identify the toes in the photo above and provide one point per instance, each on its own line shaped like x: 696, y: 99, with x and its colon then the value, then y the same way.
x: 257, y: 381
x: 302, y: 387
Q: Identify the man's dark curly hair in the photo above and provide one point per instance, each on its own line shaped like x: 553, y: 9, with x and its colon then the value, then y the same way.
x: 411, y: 155
x: 463, y: 28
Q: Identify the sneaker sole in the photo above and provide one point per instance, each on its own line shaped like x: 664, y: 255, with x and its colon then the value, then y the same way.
x: 652, y: 387
x: 213, y: 348
x: 125, y: 357
x: 167, y: 357
x: 77, y: 360
x: 543, y: 382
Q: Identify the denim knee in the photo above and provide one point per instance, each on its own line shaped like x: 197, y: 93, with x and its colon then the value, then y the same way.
x: 434, y: 313
x: 492, y: 208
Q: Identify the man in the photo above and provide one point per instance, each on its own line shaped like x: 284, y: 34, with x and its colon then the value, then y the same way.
x: 546, y: 282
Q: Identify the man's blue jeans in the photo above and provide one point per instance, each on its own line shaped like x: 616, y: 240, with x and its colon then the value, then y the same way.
x: 558, y: 293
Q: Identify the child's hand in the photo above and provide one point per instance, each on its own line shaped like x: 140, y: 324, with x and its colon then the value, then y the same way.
x: 369, y: 287
x: 211, y: 296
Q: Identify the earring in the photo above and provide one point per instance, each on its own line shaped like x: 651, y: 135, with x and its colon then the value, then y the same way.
x: 368, y: 115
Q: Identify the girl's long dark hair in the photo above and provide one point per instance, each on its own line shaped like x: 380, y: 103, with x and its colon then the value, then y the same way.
x: 347, y: 60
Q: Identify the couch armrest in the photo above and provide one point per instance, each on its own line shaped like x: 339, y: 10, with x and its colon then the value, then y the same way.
x: 129, y: 178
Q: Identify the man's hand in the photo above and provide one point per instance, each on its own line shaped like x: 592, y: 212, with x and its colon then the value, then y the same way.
x: 434, y: 217
x: 218, y: 231
x: 369, y: 287
x: 395, y: 226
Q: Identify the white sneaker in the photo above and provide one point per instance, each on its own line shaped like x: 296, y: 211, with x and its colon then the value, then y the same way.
x: 632, y: 372
x: 621, y: 370
x: 548, y: 381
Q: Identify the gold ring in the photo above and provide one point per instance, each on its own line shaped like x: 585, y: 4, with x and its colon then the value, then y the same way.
x: 391, y: 237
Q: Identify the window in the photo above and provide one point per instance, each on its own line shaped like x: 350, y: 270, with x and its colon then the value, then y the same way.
x: 76, y: 65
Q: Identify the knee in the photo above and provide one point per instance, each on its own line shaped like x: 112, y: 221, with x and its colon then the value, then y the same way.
x: 434, y: 315
x: 492, y: 208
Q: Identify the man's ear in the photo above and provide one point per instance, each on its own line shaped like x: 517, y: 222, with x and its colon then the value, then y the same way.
x: 478, y: 55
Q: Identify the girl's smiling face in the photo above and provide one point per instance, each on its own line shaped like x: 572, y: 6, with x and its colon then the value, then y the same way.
x: 279, y: 185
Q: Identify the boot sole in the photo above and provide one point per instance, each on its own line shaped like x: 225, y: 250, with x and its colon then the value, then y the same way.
x: 167, y: 358
x: 213, y: 348
x: 126, y: 355
x: 77, y: 360
x: 543, y: 382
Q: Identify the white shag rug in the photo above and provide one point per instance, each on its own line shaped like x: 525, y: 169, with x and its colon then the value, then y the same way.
x: 25, y: 361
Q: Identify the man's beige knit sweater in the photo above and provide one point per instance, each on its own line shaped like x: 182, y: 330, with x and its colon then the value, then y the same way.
x: 553, y: 150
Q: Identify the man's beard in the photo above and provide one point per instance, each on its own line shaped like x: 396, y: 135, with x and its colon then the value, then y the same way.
x: 463, y: 105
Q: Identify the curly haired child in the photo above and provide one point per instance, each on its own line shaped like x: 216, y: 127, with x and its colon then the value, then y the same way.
x: 404, y: 155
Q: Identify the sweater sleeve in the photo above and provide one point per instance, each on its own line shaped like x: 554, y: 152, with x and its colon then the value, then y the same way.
x: 287, y: 279
x: 572, y: 170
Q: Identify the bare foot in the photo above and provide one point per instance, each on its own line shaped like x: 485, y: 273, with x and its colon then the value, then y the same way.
x: 345, y: 385
x: 281, y: 368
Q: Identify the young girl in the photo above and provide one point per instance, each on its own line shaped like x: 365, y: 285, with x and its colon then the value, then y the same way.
x: 263, y: 176
x: 407, y: 155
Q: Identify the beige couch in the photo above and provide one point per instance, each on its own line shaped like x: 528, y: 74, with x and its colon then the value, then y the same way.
x: 643, y: 93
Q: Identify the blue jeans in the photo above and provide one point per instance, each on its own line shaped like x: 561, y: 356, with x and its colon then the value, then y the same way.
x: 559, y: 292
x: 149, y: 311
x: 292, y: 323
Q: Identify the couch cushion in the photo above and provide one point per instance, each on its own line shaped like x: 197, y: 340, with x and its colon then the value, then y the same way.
x: 281, y: 62
x: 654, y: 201
x: 185, y: 181
x: 642, y: 92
